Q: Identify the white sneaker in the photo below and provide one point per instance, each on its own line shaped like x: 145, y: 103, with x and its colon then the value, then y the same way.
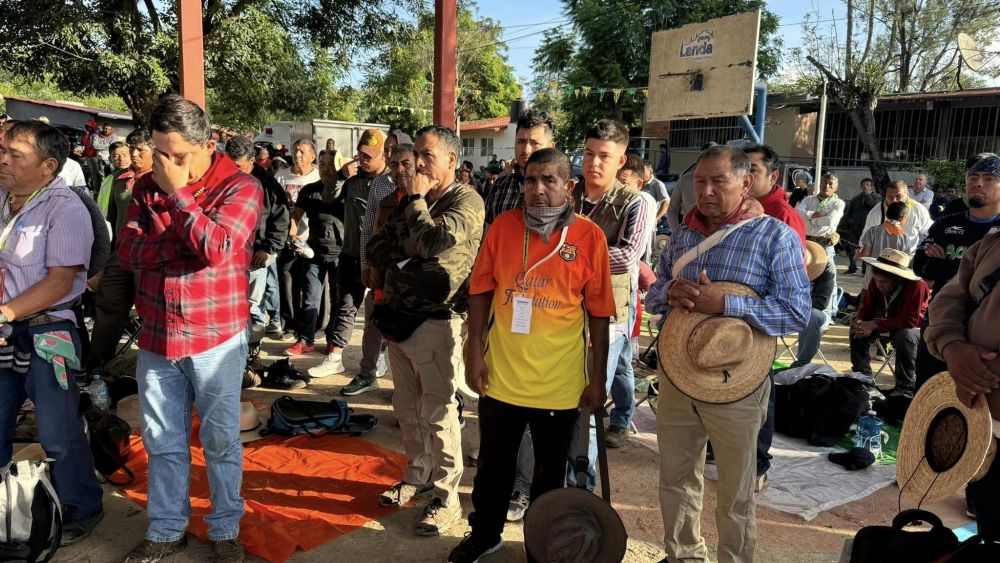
x: 332, y: 365
x: 381, y: 365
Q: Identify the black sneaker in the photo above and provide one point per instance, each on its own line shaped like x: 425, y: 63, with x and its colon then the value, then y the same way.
x: 473, y: 548
x: 362, y: 383
x: 77, y: 530
x: 153, y: 551
x: 227, y: 551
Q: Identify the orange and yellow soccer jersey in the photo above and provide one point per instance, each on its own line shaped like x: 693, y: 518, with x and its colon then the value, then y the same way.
x: 537, y: 359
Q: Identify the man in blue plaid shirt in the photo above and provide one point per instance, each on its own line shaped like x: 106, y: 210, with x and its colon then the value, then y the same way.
x: 765, y: 255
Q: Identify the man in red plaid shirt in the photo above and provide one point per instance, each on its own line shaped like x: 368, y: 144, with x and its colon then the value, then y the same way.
x: 188, y: 236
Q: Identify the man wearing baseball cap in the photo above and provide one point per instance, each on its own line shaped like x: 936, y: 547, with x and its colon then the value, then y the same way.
x: 350, y: 290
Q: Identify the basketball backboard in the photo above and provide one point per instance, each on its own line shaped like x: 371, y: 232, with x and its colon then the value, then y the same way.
x: 704, y: 69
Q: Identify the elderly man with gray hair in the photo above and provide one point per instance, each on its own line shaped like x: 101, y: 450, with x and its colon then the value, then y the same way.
x: 726, y: 238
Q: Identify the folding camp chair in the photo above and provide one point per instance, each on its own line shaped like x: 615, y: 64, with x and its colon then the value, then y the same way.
x: 791, y: 353
x: 132, y: 330
x: 888, y: 354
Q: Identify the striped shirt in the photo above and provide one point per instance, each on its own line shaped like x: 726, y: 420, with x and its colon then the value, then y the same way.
x: 381, y: 187
x: 765, y: 255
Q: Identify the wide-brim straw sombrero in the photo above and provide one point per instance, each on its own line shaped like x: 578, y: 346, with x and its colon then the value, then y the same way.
x: 817, y: 259
x: 712, y: 358
x: 570, y: 524
x: 943, y: 444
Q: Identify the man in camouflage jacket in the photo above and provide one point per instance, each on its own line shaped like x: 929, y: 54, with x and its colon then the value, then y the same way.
x: 427, y: 249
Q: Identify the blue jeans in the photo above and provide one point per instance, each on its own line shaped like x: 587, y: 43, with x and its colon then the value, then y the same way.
x: 272, y: 293
x: 809, y: 338
x: 258, y: 283
x: 621, y: 388
x: 59, y: 428
x: 167, y: 390
x: 316, y: 272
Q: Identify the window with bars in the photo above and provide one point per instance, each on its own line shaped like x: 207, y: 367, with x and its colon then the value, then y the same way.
x: 915, y: 134
x: 468, y: 147
x: 486, y: 145
x: 696, y: 133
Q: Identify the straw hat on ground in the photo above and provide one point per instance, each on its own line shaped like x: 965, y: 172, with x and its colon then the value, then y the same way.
x: 572, y: 525
x: 816, y: 259
x: 894, y: 262
x: 715, y: 359
x: 252, y: 421
x: 944, y: 444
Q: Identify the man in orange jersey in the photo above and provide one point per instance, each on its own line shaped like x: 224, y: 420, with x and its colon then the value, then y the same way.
x: 527, y: 354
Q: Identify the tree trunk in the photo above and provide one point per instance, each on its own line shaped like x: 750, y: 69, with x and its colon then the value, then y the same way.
x: 863, y: 119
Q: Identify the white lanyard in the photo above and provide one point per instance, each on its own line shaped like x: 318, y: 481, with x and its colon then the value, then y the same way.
x: 562, y: 240
x: 13, y: 220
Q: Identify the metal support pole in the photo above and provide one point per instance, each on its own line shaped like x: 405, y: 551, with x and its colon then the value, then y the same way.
x: 820, y: 133
x: 749, y: 128
x: 192, y: 51
x: 760, y: 90
x: 445, y: 39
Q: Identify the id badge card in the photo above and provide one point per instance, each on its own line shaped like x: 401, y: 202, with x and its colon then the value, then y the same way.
x: 521, y: 322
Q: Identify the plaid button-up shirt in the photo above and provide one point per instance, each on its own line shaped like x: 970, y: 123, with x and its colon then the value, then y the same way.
x: 191, y: 257
x: 505, y: 195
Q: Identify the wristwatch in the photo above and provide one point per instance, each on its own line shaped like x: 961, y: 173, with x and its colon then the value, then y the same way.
x: 3, y: 318
x: 414, y: 197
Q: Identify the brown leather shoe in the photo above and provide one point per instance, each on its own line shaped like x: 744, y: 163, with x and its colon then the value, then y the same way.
x: 153, y: 551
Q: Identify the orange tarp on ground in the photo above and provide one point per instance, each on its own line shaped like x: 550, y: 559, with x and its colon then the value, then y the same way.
x: 300, y: 492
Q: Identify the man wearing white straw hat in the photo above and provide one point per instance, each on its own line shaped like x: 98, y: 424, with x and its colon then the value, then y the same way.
x: 731, y: 280
x: 963, y: 332
x: 895, y: 303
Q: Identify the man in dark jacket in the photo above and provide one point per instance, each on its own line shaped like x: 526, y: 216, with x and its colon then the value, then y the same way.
x: 853, y: 224
x: 272, y: 228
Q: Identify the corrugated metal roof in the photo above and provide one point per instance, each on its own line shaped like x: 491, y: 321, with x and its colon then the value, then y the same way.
x: 106, y: 113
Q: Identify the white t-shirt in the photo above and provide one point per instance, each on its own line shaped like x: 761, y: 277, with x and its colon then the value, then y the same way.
x: 72, y: 174
x: 293, y: 183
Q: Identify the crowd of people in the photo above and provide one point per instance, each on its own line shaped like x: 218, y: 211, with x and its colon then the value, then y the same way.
x: 520, y: 284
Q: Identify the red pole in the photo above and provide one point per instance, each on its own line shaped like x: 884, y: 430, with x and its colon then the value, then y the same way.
x: 192, y: 52
x: 445, y: 39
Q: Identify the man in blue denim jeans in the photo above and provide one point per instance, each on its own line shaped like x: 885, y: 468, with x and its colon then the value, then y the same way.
x: 188, y: 237
x: 45, y: 246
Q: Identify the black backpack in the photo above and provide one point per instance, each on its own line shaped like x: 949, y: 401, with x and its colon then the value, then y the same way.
x: 819, y: 408
x: 109, y: 443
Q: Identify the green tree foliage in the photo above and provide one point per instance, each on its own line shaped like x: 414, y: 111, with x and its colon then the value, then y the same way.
x: 893, y: 46
x: 400, y: 83
x: 265, y: 59
x: 606, y: 43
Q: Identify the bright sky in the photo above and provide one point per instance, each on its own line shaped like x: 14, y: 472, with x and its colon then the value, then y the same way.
x: 523, y: 25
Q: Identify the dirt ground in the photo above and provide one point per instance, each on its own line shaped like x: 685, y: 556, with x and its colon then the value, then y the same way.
x: 782, y: 538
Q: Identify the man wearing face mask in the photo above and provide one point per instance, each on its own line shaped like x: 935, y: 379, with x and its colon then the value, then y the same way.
x: 188, y: 237
x: 426, y: 250
x: 525, y: 356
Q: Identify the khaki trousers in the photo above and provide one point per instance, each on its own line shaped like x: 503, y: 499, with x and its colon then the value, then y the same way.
x: 684, y: 427
x: 425, y: 369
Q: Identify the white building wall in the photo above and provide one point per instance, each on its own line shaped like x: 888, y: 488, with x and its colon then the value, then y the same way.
x: 503, y: 146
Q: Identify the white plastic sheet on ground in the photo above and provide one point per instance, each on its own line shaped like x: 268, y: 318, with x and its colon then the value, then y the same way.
x: 802, y: 480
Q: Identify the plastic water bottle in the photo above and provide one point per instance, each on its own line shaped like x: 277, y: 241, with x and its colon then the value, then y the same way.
x: 98, y: 392
x: 869, y: 434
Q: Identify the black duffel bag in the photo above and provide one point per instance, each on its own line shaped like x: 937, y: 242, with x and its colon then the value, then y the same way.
x: 819, y: 408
